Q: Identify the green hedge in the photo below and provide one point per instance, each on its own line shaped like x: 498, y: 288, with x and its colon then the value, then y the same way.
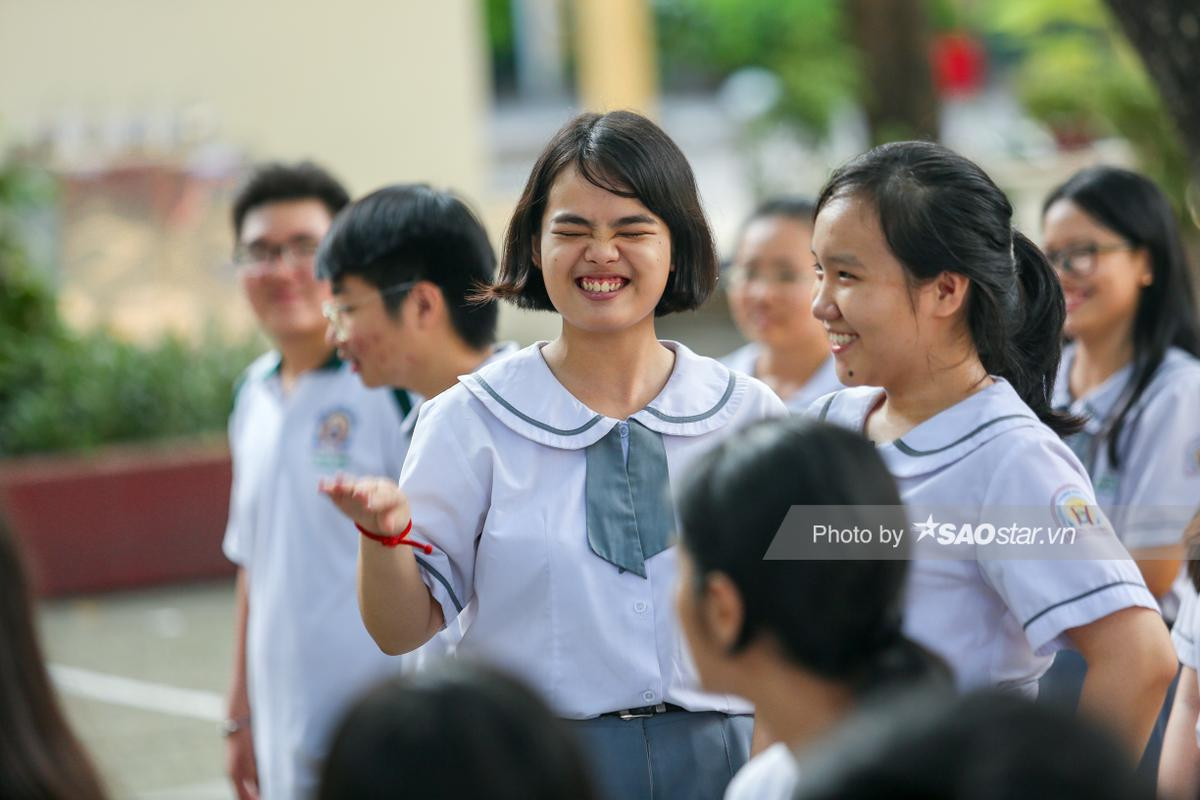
x: 63, y: 391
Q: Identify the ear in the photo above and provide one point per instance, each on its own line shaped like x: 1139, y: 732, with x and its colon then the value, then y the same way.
x: 723, y: 611
x: 948, y: 292
x: 1145, y: 267
x: 535, y: 251
x: 428, y: 305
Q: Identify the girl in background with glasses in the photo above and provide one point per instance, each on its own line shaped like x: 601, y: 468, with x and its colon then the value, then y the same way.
x: 1130, y: 370
x: 770, y: 297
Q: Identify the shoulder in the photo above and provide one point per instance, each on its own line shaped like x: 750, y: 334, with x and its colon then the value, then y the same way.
x: 1031, y: 465
x: 1175, y: 386
x: 742, y: 359
x: 772, y: 773
x: 258, y: 371
x: 845, y: 407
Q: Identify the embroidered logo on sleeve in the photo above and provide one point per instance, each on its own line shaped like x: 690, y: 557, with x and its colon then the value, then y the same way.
x: 331, y: 446
x: 1072, y: 507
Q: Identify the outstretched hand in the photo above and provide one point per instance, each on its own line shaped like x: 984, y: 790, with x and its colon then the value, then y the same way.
x: 376, y: 504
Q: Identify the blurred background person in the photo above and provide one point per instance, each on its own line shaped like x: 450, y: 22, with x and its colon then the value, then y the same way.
x: 39, y: 755
x: 1130, y: 370
x: 804, y: 640
x: 300, y: 414
x: 769, y: 286
x: 458, y: 733
x: 984, y: 746
x: 1131, y: 366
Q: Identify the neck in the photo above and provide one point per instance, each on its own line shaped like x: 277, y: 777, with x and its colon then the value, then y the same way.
x: 797, y: 707
x: 793, y: 365
x: 1098, y: 357
x: 456, y: 358
x: 923, y: 393
x: 300, y: 354
x: 616, y: 374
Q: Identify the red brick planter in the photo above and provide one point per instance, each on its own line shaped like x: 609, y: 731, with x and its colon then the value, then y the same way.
x: 121, y: 517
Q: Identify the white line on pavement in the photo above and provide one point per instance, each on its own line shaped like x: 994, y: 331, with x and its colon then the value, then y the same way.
x: 115, y: 689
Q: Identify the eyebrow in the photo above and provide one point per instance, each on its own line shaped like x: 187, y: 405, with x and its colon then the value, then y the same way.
x: 847, y: 259
x: 566, y: 218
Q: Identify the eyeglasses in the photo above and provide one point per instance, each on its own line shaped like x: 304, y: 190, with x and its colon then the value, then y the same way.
x: 337, y: 313
x: 1082, y: 260
x: 740, y: 277
x: 261, y: 256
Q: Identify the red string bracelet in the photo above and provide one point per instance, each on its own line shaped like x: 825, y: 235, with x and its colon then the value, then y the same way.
x: 392, y: 541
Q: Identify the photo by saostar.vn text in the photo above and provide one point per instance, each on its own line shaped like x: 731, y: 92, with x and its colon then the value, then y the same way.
x: 1070, y: 529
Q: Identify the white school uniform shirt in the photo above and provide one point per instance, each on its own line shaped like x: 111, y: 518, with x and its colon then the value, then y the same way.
x: 770, y: 775
x: 1152, y: 496
x: 495, y: 479
x: 822, y: 382
x: 996, y: 622
x: 308, y: 654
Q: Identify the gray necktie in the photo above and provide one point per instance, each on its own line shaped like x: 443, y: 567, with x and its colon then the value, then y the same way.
x: 629, y: 513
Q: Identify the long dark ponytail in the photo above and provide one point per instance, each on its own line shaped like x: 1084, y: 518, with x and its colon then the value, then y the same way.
x: 940, y: 212
x: 1132, y: 207
x: 839, y: 619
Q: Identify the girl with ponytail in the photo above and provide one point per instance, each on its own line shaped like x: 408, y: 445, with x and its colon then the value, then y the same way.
x: 804, y: 640
x: 946, y: 323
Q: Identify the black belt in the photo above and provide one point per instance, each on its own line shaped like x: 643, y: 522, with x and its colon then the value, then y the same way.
x: 644, y: 711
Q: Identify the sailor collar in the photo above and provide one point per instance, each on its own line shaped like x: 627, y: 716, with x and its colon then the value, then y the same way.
x: 701, y: 395
x: 943, y: 439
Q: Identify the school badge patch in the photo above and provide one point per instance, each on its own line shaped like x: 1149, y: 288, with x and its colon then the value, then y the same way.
x: 331, y: 445
x: 1073, y: 509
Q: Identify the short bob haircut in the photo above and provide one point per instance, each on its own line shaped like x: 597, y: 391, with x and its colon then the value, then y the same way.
x: 628, y: 155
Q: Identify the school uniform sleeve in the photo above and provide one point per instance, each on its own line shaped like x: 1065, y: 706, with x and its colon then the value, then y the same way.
x: 1050, y: 596
x: 1184, y: 634
x: 238, y: 531
x: 1160, y: 469
x: 446, y: 477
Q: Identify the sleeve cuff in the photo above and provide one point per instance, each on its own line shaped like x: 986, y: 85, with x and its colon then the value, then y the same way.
x: 1046, y: 629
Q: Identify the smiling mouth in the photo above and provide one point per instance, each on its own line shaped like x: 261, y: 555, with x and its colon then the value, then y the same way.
x: 840, y: 341
x: 601, y: 285
x: 1075, y: 298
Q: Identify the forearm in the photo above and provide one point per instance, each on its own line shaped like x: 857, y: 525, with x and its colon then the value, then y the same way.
x: 1159, y: 566
x: 1130, y: 666
x: 397, y: 607
x: 1179, y: 766
x: 238, y: 706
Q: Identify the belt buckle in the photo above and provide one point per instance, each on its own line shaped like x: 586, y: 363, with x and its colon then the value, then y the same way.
x: 642, y: 712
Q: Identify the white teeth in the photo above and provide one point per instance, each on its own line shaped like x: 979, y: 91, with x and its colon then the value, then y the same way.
x: 602, y: 287
x: 842, y: 338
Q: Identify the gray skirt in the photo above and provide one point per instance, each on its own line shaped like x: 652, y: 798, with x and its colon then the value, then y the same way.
x: 678, y: 755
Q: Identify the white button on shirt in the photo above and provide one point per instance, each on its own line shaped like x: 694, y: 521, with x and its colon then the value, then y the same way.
x: 495, y: 479
x: 996, y: 622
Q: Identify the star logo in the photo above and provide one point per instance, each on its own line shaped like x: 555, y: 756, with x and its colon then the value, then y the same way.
x: 926, y: 528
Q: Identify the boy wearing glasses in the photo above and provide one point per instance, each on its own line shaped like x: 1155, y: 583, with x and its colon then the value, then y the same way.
x: 300, y: 414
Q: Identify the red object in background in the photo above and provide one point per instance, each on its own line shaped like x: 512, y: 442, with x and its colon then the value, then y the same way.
x: 959, y: 63
x: 125, y: 517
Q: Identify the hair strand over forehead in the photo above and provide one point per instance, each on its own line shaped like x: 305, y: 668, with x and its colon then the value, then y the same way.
x: 628, y: 155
